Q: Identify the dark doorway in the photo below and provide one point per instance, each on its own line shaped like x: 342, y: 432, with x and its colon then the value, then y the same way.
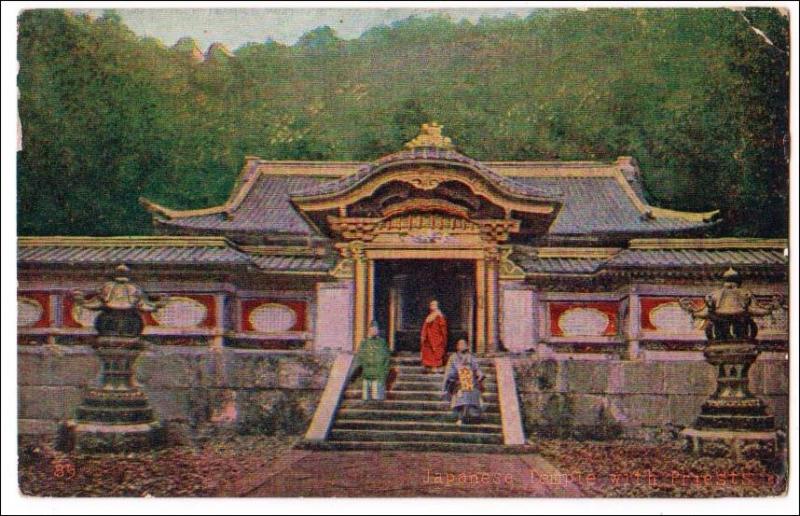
x: 404, y: 290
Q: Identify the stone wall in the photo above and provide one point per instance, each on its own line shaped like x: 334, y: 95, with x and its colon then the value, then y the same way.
x: 586, y: 397
x: 191, y: 389
x: 194, y: 388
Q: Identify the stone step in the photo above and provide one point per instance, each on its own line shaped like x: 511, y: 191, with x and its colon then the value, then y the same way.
x: 432, y: 426
x: 416, y: 362
x: 433, y: 386
x: 408, y: 415
x: 439, y: 378
x: 416, y: 446
x: 405, y: 369
x: 355, y: 393
x: 413, y: 435
x: 489, y: 408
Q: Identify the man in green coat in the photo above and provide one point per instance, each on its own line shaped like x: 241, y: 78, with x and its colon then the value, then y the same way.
x: 373, y: 358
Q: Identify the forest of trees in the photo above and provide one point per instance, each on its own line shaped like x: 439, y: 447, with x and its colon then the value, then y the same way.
x: 698, y: 96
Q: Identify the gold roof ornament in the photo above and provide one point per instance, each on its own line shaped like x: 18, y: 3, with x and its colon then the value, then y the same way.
x: 430, y: 135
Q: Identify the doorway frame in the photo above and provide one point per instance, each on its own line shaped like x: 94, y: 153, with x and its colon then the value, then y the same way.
x: 485, y: 256
x: 392, y: 301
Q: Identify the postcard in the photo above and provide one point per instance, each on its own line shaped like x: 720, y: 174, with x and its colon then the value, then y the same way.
x: 512, y: 252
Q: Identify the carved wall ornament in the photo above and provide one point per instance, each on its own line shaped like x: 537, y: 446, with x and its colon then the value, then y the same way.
x: 272, y: 318
x: 509, y: 269
x: 181, y: 312
x: 29, y: 312
x: 83, y: 316
x: 671, y: 317
x: 354, y: 228
x: 491, y: 254
x: 426, y: 205
x: 423, y: 222
x: 498, y: 230
x: 357, y: 251
x: 776, y: 323
x: 583, y: 321
x: 425, y: 182
x: 344, y: 269
x: 429, y: 237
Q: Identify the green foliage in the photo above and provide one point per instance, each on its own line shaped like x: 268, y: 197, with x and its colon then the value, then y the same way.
x: 696, y: 95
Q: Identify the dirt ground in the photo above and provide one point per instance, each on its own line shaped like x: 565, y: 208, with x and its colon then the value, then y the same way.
x: 631, y: 469
x: 211, y: 468
x: 269, y: 467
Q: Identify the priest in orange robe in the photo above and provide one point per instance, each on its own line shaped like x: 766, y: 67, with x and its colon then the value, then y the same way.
x: 433, y: 339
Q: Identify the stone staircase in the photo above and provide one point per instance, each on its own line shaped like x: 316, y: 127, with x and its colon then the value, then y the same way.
x: 414, y: 416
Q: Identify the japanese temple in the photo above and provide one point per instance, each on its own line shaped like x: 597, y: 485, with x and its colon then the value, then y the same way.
x: 538, y: 259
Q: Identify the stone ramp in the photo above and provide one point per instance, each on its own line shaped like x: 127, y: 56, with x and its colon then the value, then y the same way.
x: 415, y: 416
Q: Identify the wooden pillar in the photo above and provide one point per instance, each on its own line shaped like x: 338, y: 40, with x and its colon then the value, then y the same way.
x: 480, y: 306
x: 361, y: 277
x: 492, y: 267
x: 392, y: 327
x: 370, y: 313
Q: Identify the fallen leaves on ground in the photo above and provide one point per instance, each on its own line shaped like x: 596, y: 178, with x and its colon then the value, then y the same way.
x: 631, y: 469
x: 211, y: 468
x: 218, y: 467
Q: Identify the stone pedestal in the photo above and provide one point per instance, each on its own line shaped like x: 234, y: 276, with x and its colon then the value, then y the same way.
x: 739, y: 444
x: 115, y: 416
x: 733, y: 422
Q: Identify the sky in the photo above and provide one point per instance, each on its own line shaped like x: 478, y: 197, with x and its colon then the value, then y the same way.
x: 234, y: 27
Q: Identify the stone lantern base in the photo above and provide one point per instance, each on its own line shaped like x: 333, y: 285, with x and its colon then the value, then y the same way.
x: 116, y: 416
x: 733, y: 422
x: 102, y: 438
x: 732, y: 444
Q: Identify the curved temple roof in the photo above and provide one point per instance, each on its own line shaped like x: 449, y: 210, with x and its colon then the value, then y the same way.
x: 597, y: 200
x: 428, y: 156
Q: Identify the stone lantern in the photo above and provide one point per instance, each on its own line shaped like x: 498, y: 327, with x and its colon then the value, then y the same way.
x: 115, y: 416
x: 732, y: 422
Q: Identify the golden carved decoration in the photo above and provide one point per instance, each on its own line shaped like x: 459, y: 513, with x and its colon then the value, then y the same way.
x: 491, y: 254
x: 424, y: 182
x: 416, y: 222
x: 497, y: 230
x: 430, y: 135
x: 508, y: 269
x: 357, y: 251
x: 423, y: 224
x: 426, y: 205
x: 344, y: 269
x: 354, y: 228
x: 428, y: 177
